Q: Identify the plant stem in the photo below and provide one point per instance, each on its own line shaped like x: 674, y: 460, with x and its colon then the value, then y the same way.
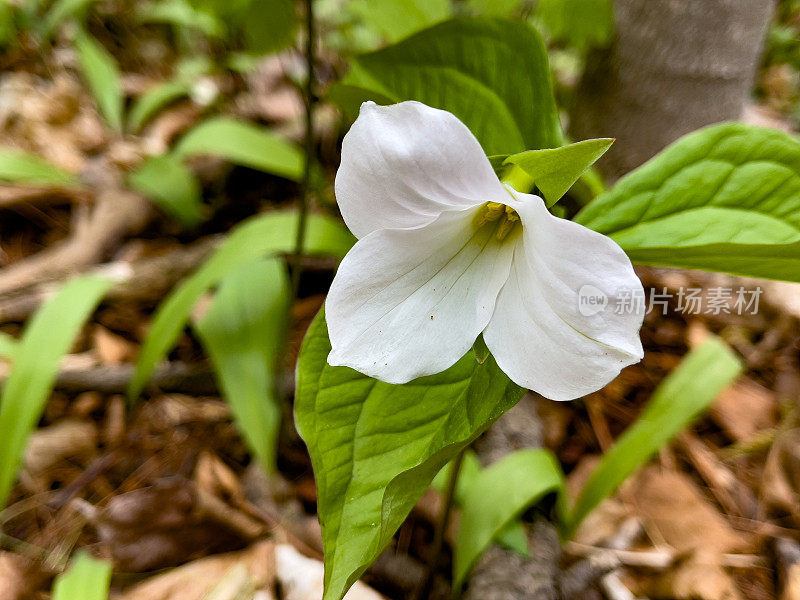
x: 305, y: 191
x: 435, y: 558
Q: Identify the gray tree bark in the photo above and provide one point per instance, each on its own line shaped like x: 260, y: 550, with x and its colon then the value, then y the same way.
x: 675, y: 66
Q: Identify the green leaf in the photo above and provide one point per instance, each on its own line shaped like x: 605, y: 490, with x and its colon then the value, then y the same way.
x: 8, y: 27
x: 263, y: 235
x: 269, y: 25
x: 680, y: 398
x: 492, y: 74
x: 496, y: 497
x: 725, y: 198
x: 21, y: 167
x: 376, y: 447
x: 8, y: 346
x: 497, y: 8
x: 581, y: 23
x: 243, y: 332
x: 470, y: 467
x: 60, y: 12
x: 555, y: 170
x: 86, y: 579
x: 244, y: 144
x: 513, y: 536
x: 102, y: 75
x: 153, y: 101
x: 396, y: 19
x: 46, y: 339
x: 182, y: 14
x: 171, y: 186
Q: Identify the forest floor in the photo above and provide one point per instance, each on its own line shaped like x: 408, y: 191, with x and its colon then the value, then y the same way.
x: 166, y: 488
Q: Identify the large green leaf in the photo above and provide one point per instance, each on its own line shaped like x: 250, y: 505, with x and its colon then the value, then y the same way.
x: 102, y: 75
x: 395, y: 19
x: 498, y: 495
x: 376, y: 447
x: 244, y: 144
x: 269, y: 25
x: 680, y: 398
x: 499, y: 8
x: 725, y: 198
x: 86, y: 579
x: 46, y: 339
x: 243, y: 332
x: 21, y: 167
x: 582, y: 23
x: 492, y: 74
x: 263, y: 235
x: 171, y: 186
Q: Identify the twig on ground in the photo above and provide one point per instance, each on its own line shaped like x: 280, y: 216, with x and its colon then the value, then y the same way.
x: 659, y: 559
x: 116, y: 214
x: 80, y: 373
x: 144, y: 279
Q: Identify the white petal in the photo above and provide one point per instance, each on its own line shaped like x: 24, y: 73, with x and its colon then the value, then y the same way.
x: 540, y: 334
x: 408, y: 303
x: 402, y: 165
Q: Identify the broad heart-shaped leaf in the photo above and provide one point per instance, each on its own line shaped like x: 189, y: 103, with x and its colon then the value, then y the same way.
x: 554, y: 170
x: 491, y: 73
x: 243, y: 331
x: 24, y: 168
x: 86, y: 579
x: 499, y: 494
x: 725, y: 198
x: 681, y: 397
x: 269, y: 25
x: 581, y: 23
x: 376, y: 447
x: 244, y: 144
x: 171, y: 186
x: 102, y: 75
x: 395, y: 19
x: 262, y: 235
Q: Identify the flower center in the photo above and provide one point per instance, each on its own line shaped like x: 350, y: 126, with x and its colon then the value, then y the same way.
x: 505, y: 216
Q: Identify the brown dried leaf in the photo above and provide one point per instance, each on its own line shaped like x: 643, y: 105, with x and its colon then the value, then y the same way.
x: 194, y: 580
x: 161, y: 526
x: 744, y: 409
x: 675, y: 513
x: 49, y: 445
x: 781, y: 480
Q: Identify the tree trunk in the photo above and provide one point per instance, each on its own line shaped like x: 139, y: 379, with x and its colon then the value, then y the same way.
x: 675, y: 66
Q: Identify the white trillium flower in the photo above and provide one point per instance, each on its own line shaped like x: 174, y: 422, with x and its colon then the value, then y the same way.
x: 446, y: 251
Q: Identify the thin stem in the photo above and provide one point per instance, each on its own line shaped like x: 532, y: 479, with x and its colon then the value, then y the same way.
x: 309, y: 149
x: 435, y: 558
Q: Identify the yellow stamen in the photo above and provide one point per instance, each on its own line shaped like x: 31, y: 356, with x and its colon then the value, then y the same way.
x: 497, y: 211
x: 491, y: 212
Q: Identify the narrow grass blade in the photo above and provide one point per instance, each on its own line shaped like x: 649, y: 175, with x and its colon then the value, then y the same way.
x: 680, y: 398
x: 243, y: 331
x: 264, y: 235
x: 86, y: 579
x: 47, y: 338
x: 244, y: 144
x: 21, y: 167
x: 102, y: 75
